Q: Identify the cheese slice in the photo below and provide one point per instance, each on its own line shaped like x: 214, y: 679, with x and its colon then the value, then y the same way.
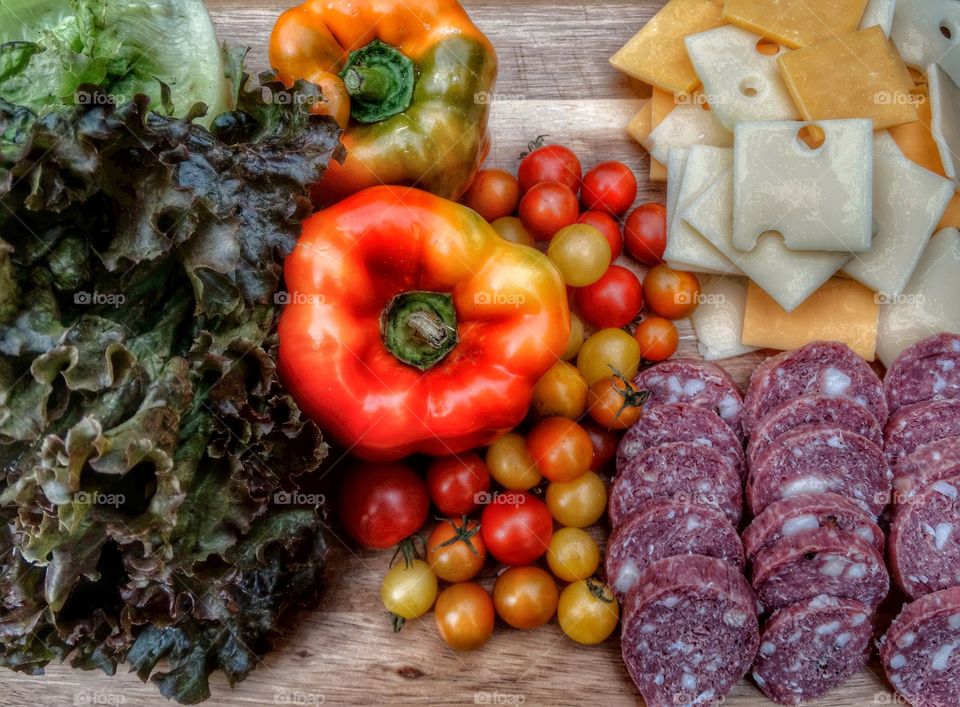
x: 951, y: 217
x: 639, y: 127
x: 718, y: 320
x: 789, y: 276
x: 661, y: 103
x: 859, y: 75
x: 915, y: 139
x: 929, y: 304
x: 879, y: 12
x: 945, y: 119
x: 690, y: 172
x: 657, y: 55
x: 841, y: 310
x: 918, y: 30
x: 796, y: 23
x: 688, y: 124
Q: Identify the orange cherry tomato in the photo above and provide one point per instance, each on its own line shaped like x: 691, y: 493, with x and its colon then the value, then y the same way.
x: 561, y: 448
x: 493, y: 194
x: 547, y: 207
x: 465, y: 616
x: 645, y: 233
x: 615, y: 402
x: 658, y: 339
x: 673, y: 294
x: 525, y: 597
x: 455, y: 550
x: 608, y: 226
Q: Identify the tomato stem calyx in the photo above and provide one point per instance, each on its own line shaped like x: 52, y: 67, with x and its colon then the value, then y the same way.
x: 599, y: 590
x: 408, y: 548
x: 632, y: 398
x: 463, y: 533
x: 398, y: 622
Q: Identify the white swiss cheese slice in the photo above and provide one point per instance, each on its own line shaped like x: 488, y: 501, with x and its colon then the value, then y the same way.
x: 690, y: 123
x: 920, y: 29
x: 879, y: 12
x: 718, y: 320
x: 945, y: 123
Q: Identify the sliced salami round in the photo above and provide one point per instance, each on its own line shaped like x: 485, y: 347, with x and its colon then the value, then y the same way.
x: 681, y: 422
x: 819, y: 561
x: 689, y: 631
x: 811, y: 647
x: 684, y: 380
x: 819, y: 459
x: 665, y: 528
x: 789, y: 516
x: 824, y: 368
x: 925, y: 465
x: 928, y: 370
x: 681, y: 471
x: 813, y: 410
x: 925, y: 539
x: 916, y: 425
x: 921, y: 650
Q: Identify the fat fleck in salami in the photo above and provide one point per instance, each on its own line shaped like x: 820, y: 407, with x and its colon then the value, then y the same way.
x: 680, y: 422
x: 821, y: 368
x: 921, y: 651
x: 928, y: 370
x: 819, y: 459
x: 925, y: 465
x: 682, y: 471
x: 789, y: 516
x: 689, y: 631
x: 925, y: 539
x: 813, y: 410
x: 811, y: 647
x: 696, y: 382
x: 916, y: 425
x: 819, y: 561
x: 665, y: 528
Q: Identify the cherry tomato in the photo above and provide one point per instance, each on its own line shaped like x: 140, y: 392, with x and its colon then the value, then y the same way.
x: 510, y: 228
x: 525, y: 597
x: 455, y: 550
x: 573, y: 555
x: 511, y: 465
x: 588, y: 611
x: 551, y: 163
x: 609, y: 187
x: 607, y: 352
x: 548, y: 207
x: 455, y: 482
x: 608, y: 226
x: 581, y: 254
x: 658, y: 338
x: 579, y: 503
x: 560, y: 392
x: 493, y: 194
x: 645, y: 233
x: 561, y: 448
x: 381, y: 504
x: 516, y: 527
x: 409, y: 590
x: 612, y: 301
x: 605, y: 443
x: 615, y: 402
x: 465, y: 616
x: 576, y: 337
x: 673, y: 294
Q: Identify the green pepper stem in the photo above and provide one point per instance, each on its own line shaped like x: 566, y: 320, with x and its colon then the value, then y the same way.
x: 420, y: 328
x: 370, y: 83
x: 380, y: 81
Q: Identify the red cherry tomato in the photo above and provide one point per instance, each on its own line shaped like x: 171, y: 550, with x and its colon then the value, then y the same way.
x: 609, y: 187
x: 605, y: 443
x: 493, y: 194
x: 673, y: 294
x: 548, y: 207
x: 516, y: 527
x: 613, y: 301
x: 456, y: 482
x: 552, y: 163
x: 645, y: 233
x: 658, y: 339
x: 608, y: 226
x: 381, y: 504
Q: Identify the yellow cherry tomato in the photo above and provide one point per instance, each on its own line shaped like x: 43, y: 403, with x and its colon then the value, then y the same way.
x: 578, y: 503
x: 465, y: 616
x: 607, y: 352
x: 576, y: 338
x: 581, y: 254
x: 560, y: 392
x: 588, y: 611
x: 511, y: 465
x: 409, y: 590
x: 573, y: 555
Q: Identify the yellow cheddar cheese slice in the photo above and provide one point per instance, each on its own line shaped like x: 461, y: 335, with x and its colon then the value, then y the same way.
x: 841, y: 310
x: 859, y: 75
x: 915, y: 139
x: 639, y: 127
x: 657, y: 54
x: 662, y: 102
x: 796, y: 23
x: 951, y: 218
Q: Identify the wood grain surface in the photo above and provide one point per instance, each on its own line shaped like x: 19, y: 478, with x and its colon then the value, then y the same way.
x: 555, y: 80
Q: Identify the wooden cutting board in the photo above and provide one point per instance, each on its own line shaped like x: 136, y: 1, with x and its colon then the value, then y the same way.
x: 554, y: 80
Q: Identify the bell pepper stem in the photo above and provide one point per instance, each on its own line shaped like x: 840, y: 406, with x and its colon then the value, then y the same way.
x: 371, y: 83
x: 380, y: 81
x: 420, y: 328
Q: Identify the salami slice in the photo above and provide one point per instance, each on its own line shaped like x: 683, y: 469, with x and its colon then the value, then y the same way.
x: 928, y: 370
x: 925, y: 539
x: 789, y: 516
x: 916, y: 425
x: 925, y: 465
x: 819, y: 561
x: 811, y: 647
x: 689, y: 631
x: 681, y: 422
x: 820, y: 368
x: 813, y: 410
x: 664, y: 528
x: 819, y: 459
x: 682, y: 471
x: 700, y: 383
x: 921, y: 650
